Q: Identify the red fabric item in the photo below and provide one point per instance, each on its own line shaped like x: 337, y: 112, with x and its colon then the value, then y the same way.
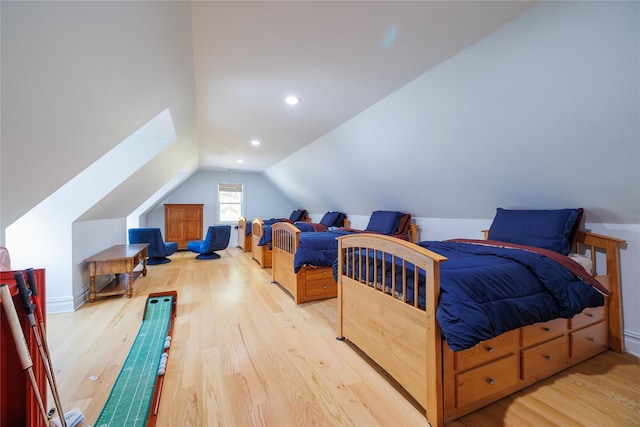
x: 563, y: 260
x: 403, y: 225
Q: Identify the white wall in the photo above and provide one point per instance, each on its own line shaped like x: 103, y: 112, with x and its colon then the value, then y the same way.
x: 78, y: 79
x: 262, y: 199
x: 544, y: 112
x: 89, y: 238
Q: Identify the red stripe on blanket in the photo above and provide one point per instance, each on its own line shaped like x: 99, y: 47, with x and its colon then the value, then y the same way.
x: 563, y: 260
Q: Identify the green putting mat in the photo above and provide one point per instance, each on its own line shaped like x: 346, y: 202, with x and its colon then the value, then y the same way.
x: 130, y: 398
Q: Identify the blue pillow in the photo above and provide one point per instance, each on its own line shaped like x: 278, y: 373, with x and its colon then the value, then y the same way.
x: 339, y: 222
x: 304, y: 226
x: 547, y: 229
x: 329, y: 219
x: 298, y: 215
x: 385, y: 222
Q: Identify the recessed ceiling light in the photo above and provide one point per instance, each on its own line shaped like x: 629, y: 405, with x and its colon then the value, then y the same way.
x: 292, y: 100
x: 255, y: 142
x: 239, y: 161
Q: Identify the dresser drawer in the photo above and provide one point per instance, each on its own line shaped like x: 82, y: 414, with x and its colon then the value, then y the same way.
x: 317, y: 288
x: 544, y: 331
x: 588, y: 317
x: 493, y: 378
x: 589, y: 341
x: 545, y: 359
x: 319, y: 283
x: 486, y: 351
x: 319, y: 273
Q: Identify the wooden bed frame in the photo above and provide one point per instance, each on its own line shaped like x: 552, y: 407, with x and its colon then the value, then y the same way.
x: 244, y: 239
x: 310, y: 283
x: 405, y: 340
x: 263, y: 254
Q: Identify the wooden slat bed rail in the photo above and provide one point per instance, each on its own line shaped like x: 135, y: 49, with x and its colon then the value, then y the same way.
x: 257, y: 227
x: 285, y: 237
x: 593, y: 244
x: 285, y: 243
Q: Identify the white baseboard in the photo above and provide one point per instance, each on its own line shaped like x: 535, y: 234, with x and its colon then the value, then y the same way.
x: 67, y: 304
x: 632, y: 343
x: 60, y: 305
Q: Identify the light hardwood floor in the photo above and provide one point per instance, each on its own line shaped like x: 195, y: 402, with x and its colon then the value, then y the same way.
x: 243, y: 354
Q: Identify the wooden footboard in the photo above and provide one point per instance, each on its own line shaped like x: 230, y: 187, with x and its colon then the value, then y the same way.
x: 285, y: 244
x: 405, y: 340
x: 261, y: 254
x: 310, y: 283
x: 244, y: 240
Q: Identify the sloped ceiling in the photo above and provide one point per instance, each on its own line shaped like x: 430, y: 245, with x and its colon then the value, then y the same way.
x: 90, y: 73
x: 544, y: 113
x: 78, y: 78
x: 338, y: 57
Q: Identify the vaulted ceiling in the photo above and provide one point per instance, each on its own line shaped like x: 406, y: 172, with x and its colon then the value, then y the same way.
x: 447, y: 82
x: 339, y: 58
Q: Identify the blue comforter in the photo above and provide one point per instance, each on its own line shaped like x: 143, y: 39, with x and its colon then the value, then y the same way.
x: 267, y: 237
x: 317, y: 248
x: 305, y: 227
x: 487, y: 290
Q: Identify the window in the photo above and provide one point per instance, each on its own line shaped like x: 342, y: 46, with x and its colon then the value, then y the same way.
x: 229, y: 202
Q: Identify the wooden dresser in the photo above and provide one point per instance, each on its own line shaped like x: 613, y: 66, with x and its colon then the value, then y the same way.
x: 182, y: 223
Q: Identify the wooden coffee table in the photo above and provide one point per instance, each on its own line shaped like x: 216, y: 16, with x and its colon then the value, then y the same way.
x: 118, y: 259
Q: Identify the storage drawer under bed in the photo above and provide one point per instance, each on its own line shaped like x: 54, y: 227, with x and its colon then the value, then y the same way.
x: 544, y: 359
x: 486, y: 380
x: 319, y: 283
x: 589, y: 341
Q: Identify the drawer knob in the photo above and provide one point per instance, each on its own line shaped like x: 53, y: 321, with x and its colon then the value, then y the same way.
x: 490, y: 349
x: 324, y: 287
x: 491, y: 381
x: 547, y: 329
x: 591, y: 339
x: 547, y: 357
x: 589, y: 314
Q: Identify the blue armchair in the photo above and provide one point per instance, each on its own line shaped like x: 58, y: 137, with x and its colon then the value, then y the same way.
x: 158, y: 249
x: 217, y: 239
